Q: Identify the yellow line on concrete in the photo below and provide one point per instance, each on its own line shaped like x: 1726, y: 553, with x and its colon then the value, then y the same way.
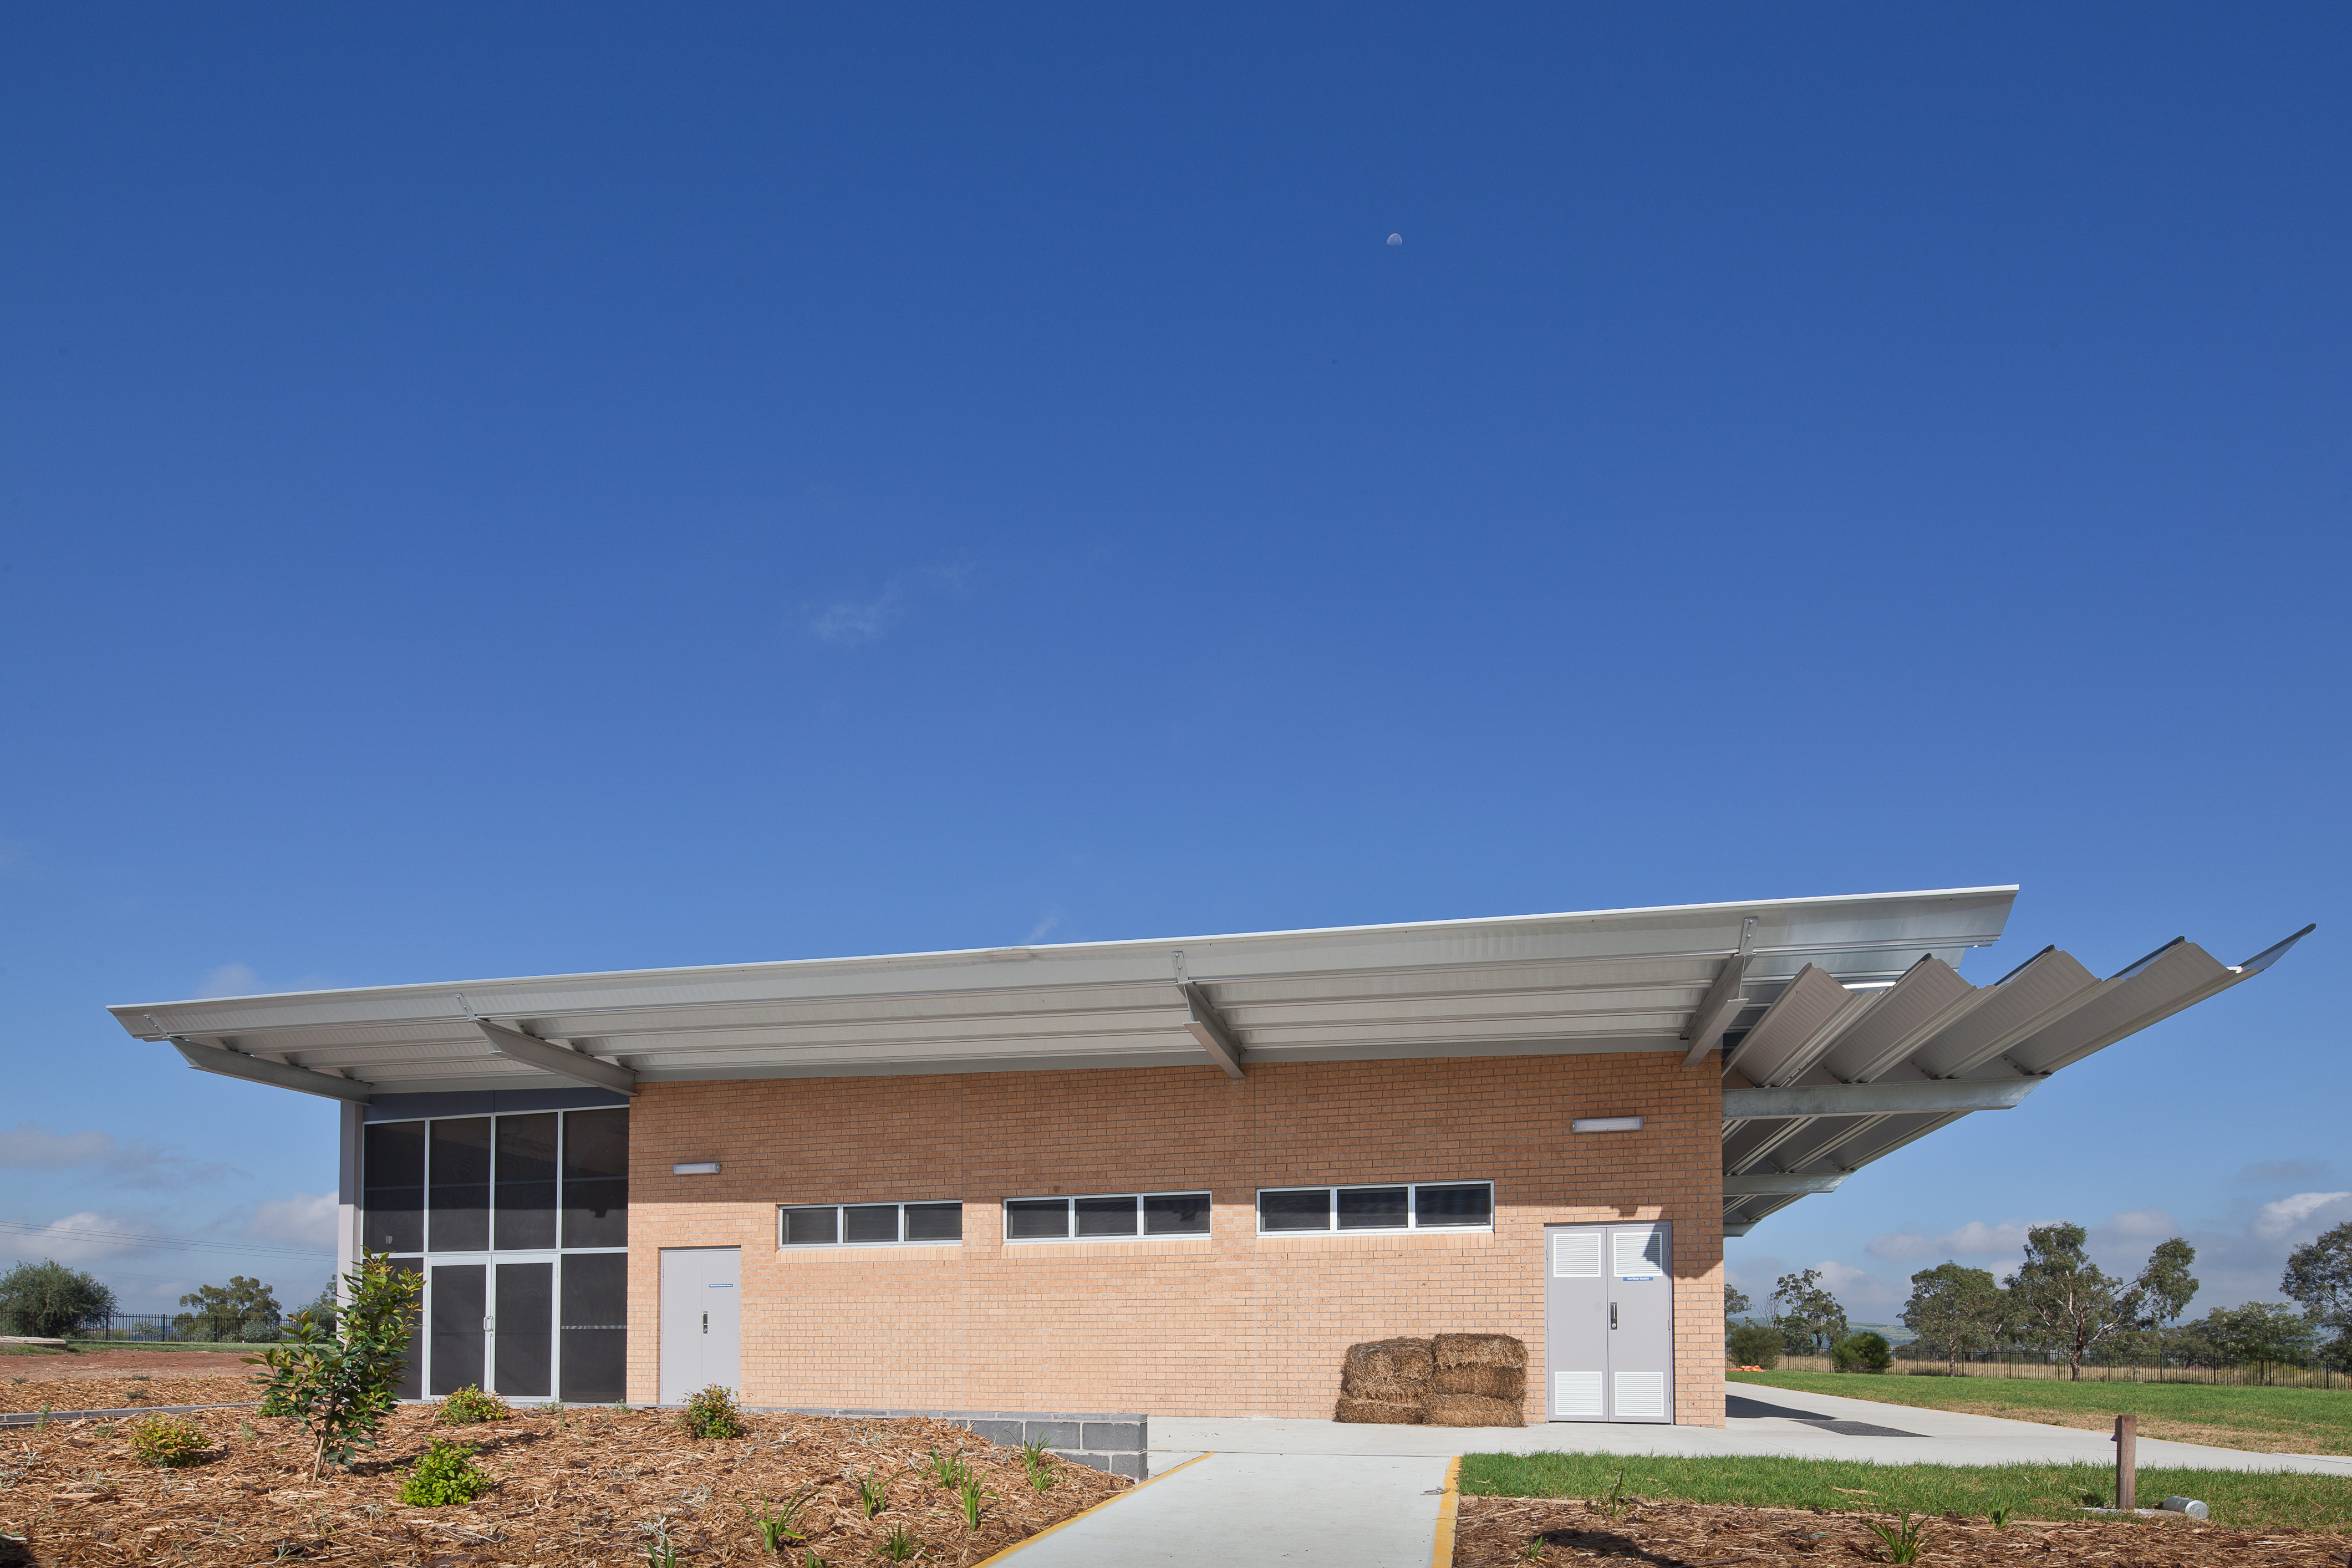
x: 1033, y: 1540
x: 1442, y: 1554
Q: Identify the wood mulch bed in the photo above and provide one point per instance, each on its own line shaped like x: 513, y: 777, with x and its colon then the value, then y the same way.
x: 117, y: 1363
x: 575, y: 1488
x: 1495, y: 1532
x: 122, y: 1393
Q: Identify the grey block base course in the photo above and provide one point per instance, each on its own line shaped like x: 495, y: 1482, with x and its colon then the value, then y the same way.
x: 1119, y: 1443
x: 37, y: 1418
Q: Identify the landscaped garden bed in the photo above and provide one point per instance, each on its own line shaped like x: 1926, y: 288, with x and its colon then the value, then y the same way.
x: 1510, y: 1532
x: 1562, y: 1508
x: 580, y: 1487
x: 19, y: 1395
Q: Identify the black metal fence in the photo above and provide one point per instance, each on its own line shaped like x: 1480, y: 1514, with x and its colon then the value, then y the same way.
x: 130, y: 1326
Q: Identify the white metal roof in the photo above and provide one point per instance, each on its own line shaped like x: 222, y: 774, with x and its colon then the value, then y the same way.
x: 1804, y: 992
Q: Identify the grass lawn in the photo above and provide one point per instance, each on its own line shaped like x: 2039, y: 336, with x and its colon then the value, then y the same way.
x: 2279, y: 1420
x: 2244, y: 1499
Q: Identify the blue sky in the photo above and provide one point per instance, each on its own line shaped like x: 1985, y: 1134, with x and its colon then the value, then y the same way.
x: 542, y: 489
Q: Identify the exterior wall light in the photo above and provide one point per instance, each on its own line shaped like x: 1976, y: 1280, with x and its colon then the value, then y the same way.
x: 696, y: 1168
x: 1593, y: 1124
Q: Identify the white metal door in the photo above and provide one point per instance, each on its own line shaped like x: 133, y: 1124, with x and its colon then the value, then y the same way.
x: 1609, y: 1322
x: 701, y: 1319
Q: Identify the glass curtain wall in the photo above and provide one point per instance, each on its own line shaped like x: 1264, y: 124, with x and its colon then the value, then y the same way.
x: 519, y: 1225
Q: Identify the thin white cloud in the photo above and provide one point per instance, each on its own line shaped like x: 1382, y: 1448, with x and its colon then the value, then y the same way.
x: 2313, y: 1212
x: 1900, y: 1246
x: 230, y: 980
x: 2264, y: 1171
x: 849, y: 622
x: 2146, y: 1227
x: 1862, y: 1294
x: 1977, y: 1239
x: 1053, y: 917
x: 29, y: 1146
x: 69, y: 1239
x: 305, y: 1219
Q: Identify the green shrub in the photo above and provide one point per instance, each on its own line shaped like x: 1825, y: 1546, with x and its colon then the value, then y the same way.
x: 166, y: 1440
x: 1754, y: 1345
x: 1864, y: 1351
x: 48, y: 1301
x: 446, y: 1475
x: 469, y: 1406
x: 711, y: 1413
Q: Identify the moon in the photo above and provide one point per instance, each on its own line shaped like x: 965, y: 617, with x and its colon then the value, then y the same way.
x: 1396, y: 239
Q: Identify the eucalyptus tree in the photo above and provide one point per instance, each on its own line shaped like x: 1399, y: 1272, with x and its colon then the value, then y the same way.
x: 2063, y: 1301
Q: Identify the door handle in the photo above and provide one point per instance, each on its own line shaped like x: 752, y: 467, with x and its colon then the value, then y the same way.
x: 1612, y: 1314
x: 706, y: 1323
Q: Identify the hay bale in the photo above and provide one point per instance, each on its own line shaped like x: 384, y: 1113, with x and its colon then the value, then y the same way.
x: 1471, y: 1410
x: 1479, y: 1350
x: 1495, y: 1382
x: 1379, y: 1412
x: 1396, y: 1371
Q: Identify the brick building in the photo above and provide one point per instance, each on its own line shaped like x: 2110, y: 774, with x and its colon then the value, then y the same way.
x: 1176, y: 1177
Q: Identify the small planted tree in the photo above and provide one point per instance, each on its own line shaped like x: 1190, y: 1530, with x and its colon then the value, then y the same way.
x: 48, y: 1301
x: 1753, y: 1345
x: 341, y: 1386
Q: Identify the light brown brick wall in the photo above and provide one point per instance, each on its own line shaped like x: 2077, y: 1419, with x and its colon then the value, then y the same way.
x: 1226, y: 1325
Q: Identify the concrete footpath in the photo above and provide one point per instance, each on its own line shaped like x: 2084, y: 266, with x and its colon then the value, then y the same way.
x: 1219, y: 1510
x: 1249, y: 1491
x: 1774, y: 1421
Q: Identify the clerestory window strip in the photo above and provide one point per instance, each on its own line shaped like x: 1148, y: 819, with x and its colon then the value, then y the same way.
x: 1395, y: 1208
x: 928, y: 1223
x: 1107, y: 1217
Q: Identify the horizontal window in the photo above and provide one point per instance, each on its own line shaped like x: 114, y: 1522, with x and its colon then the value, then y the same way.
x: 1106, y: 1217
x: 1407, y: 1205
x: 868, y: 1225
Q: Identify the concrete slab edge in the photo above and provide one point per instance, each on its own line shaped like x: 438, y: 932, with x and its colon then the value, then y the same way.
x: 1029, y: 1541
x: 1118, y: 1443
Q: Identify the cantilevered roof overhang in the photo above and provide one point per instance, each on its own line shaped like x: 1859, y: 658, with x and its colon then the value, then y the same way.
x: 1808, y: 996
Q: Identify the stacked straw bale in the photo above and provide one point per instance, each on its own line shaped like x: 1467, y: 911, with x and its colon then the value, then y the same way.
x: 1384, y: 1383
x: 1479, y: 1380
x: 1453, y: 1380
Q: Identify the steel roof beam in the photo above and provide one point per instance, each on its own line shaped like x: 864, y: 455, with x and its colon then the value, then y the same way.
x: 1722, y: 1002
x: 1204, y: 1024
x: 1782, y: 1184
x: 548, y: 1056
x: 1877, y: 1099
x: 277, y: 1075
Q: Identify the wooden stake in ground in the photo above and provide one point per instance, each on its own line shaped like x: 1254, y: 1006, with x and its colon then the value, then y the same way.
x: 2126, y: 1462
